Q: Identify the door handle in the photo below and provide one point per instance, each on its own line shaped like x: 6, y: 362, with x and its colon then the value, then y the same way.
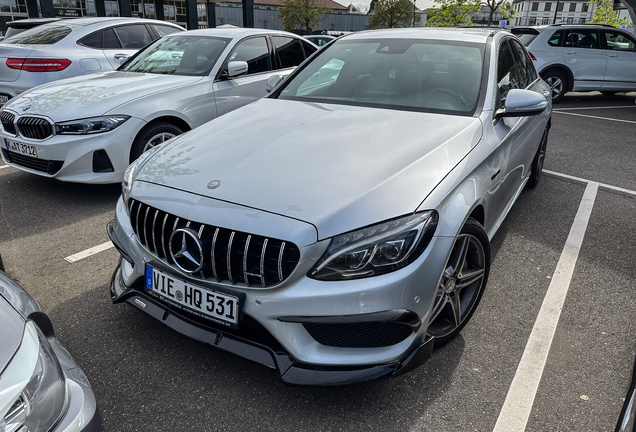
x: 570, y: 52
x: 612, y: 55
x: 121, y: 56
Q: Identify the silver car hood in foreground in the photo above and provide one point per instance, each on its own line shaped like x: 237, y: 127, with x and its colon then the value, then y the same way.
x: 11, y: 329
x: 334, y: 166
x: 93, y: 95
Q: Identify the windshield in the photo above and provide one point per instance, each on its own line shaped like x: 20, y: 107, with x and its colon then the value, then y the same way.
x: 416, y: 75
x: 178, y: 55
x: 40, y: 35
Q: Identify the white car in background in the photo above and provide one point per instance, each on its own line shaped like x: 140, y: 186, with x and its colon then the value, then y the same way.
x: 88, y: 129
x: 68, y: 48
x: 582, y: 57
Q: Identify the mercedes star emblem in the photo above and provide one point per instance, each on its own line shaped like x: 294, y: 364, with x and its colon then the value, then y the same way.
x: 186, y: 251
x: 214, y: 184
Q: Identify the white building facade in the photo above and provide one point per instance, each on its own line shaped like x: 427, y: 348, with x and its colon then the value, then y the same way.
x: 530, y: 12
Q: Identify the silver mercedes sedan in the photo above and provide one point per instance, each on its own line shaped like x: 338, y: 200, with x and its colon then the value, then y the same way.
x: 338, y: 229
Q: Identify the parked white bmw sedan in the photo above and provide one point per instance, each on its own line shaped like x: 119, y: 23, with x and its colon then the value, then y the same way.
x: 88, y: 129
x: 68, y: 48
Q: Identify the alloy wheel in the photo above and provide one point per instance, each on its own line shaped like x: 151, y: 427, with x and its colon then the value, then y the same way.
x: 158, y: 139
x: 460, y: 287
x: 556, y: 86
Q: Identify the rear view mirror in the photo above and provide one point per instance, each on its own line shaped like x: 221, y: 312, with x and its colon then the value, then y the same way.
x: 236, y: 68
x: 272, y: 82
x: 521, y: 103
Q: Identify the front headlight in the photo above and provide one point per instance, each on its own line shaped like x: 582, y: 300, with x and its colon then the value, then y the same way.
x: 32, y: 387
x: 90, y: 125
x: 377, y: 249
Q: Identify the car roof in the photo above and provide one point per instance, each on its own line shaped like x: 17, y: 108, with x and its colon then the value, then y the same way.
x: 435, y: 33
x: 77, y: 23
x: 236, y: 32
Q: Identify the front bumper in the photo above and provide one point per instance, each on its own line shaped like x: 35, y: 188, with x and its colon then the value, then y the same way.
x: 72, y: 155
x: 267, y: 335
x: 82, y: 414
x: 267, y: 352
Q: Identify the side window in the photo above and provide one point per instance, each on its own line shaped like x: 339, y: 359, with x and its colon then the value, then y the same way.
x: 507, y: 77
x: 164, y: 30
x: 582, y: 38
x: 289, y: 51
x: 526, y: 68
x: 255, y: 52
x: 555, y: 39
x: 619, y: 42
x: 133, y: 36
x: 309, y: 48
x: 92, y: 40
x: 110, y: 40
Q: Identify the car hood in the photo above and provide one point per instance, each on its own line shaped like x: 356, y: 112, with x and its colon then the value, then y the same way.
x: 93, y: 95
x: 11, y: 329
x: 334, y: 166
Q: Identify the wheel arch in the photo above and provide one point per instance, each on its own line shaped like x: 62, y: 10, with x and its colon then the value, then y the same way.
x: 563, y: 69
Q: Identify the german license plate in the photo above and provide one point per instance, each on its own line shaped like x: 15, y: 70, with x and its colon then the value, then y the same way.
x: 18, y: 147
x: 213, y: 305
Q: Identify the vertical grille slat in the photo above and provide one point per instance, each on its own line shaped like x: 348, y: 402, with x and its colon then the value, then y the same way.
x: 8, y: 120
x: 230, y: 257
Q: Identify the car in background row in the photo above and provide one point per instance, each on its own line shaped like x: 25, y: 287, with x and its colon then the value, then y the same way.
x: 88, y: 129
x: 339, y: 228
x: 582, y: 57
x: 68, y: 48
x: 41, y: 387
x: 320, y: 40
x: 18, y: 26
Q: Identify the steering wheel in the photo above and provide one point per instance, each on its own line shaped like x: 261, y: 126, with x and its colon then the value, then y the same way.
x: 452, y: 94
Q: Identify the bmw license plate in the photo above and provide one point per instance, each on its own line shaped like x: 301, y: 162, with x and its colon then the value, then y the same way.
x: 213, y: 305
x: 18, y: 147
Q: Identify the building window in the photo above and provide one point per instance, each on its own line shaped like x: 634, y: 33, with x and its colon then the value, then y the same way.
x: 533, y: 21
x: 570, y: 20
x: 584, y: 7
x: 547, y: 7
x: 535, y: 6
x: 560, y: 7
x: 545, y: 21
x: 572, y: 7
x: 582, y: 21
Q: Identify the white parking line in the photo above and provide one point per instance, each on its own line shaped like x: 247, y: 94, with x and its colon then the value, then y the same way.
x: 520, y: 398
x: 582, y: 180
x: 595, y: 117
x: 4, y: 166
x: 595, y: 108
x: 89, y: 252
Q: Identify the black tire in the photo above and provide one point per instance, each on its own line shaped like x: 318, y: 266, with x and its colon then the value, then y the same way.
x: 1, y: 265
x: 537, y: 163
x: 558, y: 84
x: 609, y: 93
x: 444, y: 323
x: 148, y: 133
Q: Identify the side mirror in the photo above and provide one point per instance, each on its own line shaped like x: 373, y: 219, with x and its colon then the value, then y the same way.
x: 520, y: 103
x: 272, y: 82
x: 236, y: 68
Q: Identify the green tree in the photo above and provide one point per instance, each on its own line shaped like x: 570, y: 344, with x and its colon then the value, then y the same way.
x: 502, y: 6
x: 452, y: 13
x: 301, y: 14
x: 391, y: 14
x: 605, y: 13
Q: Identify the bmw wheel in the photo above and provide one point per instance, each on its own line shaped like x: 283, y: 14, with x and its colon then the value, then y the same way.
x: 153, y: 135
x: 462, y: 283
x: 537, y: 164
x: 558, y: 84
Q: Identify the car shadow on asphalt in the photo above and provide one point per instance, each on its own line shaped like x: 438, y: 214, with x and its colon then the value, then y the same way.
x: 143, y: 373
x: 32, y: 204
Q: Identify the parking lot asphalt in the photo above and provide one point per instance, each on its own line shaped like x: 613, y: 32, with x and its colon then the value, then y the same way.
x: 148, y: 378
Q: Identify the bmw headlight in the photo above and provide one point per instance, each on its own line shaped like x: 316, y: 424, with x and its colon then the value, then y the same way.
x: 90, y: 125
x: 32, y: 387
x: 377, y: 249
